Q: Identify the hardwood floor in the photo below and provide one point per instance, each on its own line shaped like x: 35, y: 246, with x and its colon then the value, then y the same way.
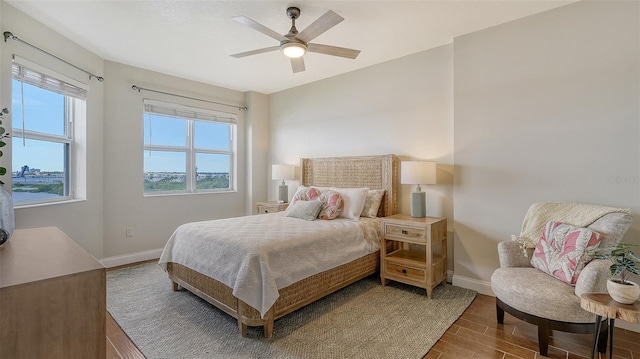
x: 476, y: 335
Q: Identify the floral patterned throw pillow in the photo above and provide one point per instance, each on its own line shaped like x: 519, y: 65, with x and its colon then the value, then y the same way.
x: 333, y: 204
x: 562, y: 250
x: 305, y: 194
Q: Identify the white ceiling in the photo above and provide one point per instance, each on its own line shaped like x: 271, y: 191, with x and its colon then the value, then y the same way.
x: 193, y: 39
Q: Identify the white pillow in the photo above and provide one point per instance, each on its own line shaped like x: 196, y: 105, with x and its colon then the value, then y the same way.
x: 353, y: 201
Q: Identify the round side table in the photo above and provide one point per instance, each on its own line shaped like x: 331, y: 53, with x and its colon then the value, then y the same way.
x: 602, y: 305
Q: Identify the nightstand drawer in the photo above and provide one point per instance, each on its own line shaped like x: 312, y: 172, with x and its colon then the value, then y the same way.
x: 410, y: 233
x: 267, y: 209
x: 405, y: 272
x: 271, y: 207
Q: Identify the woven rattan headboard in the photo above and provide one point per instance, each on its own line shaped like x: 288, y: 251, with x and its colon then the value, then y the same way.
x: 375, y: 172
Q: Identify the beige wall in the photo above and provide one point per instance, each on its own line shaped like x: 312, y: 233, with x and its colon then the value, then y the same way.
x: 546, y: 109
x: 402, y: 107
x: 257, y: 149
x: 155, y: 218
x: 114, y: 149
x: 81, y: 220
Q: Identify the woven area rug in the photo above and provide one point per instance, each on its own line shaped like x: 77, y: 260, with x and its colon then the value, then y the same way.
x: 363, y: 320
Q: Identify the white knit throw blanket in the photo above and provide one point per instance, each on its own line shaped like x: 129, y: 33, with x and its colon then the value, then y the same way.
x: 577, y: 214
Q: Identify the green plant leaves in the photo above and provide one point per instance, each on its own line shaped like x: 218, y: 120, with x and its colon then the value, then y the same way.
x: 624, y: 260
x: 616, y: 269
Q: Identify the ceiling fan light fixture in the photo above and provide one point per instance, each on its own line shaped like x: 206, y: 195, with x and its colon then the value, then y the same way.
x: 293, y: 49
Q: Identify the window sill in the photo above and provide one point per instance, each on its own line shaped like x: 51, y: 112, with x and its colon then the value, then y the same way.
x: 46, y: 204
x: 169, y: 194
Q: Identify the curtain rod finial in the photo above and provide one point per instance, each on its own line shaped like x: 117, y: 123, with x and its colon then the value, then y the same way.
x: 8, y: 35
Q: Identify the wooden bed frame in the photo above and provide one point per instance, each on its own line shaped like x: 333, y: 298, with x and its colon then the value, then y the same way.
x: 375, y: 172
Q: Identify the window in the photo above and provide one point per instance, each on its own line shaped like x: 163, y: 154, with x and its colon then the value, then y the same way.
x: 47, y: 110
x: 187, y: 149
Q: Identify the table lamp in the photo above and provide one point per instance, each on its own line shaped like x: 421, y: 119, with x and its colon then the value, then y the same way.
x: 283, y: 172
x: 418, y: 172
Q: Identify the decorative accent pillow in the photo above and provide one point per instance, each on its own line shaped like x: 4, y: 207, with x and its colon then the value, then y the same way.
x: 353, y: 201
x: 372, y: 203
x: 332, y: 204
x: 305, y: 194
x: 307, y: 210
x: 562, y: 250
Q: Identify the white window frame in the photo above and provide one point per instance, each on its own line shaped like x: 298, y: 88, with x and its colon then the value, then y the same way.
x: 75, y: 114
x: 191, y: 115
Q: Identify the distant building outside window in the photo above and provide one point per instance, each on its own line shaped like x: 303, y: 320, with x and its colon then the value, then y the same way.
x: 48, y: 111
x: 187, y: 149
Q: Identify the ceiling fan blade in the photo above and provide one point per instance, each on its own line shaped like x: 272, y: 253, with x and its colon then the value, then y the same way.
x: 322, y: 24
x: 333, y: 50
x: 297, y: 64
x: 255, y: 52
x: 256, y: 26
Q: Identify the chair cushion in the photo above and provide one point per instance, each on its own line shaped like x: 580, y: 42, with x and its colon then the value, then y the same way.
x: 561, y: 251
x: 534, y: 292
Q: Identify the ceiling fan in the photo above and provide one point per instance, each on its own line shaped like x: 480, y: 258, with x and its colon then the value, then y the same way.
x: 293, y: 44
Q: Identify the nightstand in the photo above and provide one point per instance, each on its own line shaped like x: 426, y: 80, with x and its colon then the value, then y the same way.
x: 271, y: 207
x: 414, y: 251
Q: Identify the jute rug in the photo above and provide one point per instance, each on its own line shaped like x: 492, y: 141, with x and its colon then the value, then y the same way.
x: 364, y: 320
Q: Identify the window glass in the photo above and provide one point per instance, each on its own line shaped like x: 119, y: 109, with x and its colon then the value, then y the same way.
x: 212, y: 171
x: 47, y: 163
x: 164, y: 131
x: 43, y: 109
x: 165, y: 171
x: 39, y: 170
x: 187, y: 149
x: 212, y: 135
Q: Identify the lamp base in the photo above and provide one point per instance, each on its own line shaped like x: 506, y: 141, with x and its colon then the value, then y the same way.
x: 284, y: 193
x: 418, y: 205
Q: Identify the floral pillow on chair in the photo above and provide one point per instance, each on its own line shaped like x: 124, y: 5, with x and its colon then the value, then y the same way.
x: 562, y: 250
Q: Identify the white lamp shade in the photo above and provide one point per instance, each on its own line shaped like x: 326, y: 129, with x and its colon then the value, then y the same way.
x: 418, y: 172
x: 283, y: 172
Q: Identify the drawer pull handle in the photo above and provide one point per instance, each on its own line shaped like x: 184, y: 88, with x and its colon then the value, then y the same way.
x: 404, y: 231
x: 404, y: 271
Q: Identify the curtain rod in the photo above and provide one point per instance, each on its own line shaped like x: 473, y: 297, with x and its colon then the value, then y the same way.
x: 9, y: 35
x: 138, y: 88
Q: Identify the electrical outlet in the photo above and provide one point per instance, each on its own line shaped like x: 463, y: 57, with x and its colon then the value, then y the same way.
x: 129, y: 231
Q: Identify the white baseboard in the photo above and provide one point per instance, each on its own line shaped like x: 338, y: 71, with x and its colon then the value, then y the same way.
x: 484, y: 287
x: 480, y: 286
x: 628, y: 326
x: 115, y: 261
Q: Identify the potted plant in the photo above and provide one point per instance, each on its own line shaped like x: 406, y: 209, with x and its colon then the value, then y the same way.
x: 625, y: 263
x: 7, y: 223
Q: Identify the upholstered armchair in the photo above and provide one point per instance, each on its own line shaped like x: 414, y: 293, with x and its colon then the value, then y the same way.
x: 538, y: 298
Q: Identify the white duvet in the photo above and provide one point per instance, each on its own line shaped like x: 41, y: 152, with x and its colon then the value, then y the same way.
x: 257, y: 255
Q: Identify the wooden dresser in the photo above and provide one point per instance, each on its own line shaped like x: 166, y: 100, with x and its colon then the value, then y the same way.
x: 52, y: 297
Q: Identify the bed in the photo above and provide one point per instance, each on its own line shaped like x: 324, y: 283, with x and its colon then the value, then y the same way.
x: 374, y: 172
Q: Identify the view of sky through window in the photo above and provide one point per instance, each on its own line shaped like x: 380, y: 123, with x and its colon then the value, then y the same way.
x: 44, y: 112
x: 172, y: 132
